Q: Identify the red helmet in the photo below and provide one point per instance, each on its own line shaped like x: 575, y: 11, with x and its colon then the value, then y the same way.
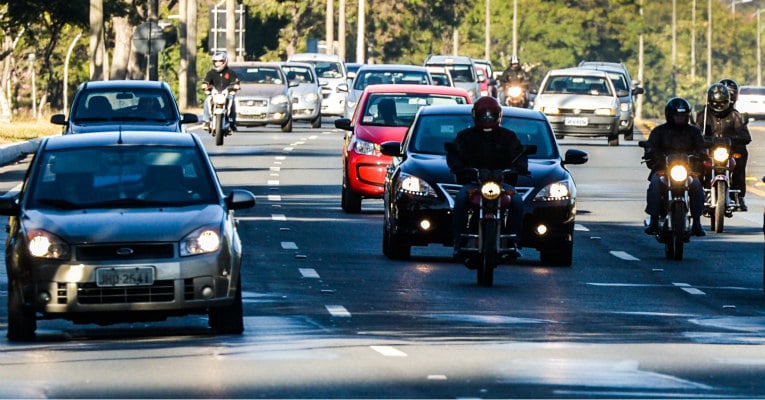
x: 487, y: 113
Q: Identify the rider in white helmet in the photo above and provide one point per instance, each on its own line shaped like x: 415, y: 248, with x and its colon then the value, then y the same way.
x: 221, y: 77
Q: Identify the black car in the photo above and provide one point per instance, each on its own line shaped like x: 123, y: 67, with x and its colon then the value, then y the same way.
x: 133, y: 105
x: 420, y: 189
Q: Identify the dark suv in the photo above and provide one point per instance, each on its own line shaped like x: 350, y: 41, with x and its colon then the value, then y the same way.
x: 124, y: 105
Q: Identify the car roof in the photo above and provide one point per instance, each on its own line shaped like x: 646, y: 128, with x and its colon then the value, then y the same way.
x: 314, y: 56
x: 410, y: 88
x: 254, y: 64
x: 446, y: 59
x: 96, y: 139
x: 467, y: 109
x: 390, y: 67
x: 124, y: 83
x: 296, y: 64
x: 577, y: 71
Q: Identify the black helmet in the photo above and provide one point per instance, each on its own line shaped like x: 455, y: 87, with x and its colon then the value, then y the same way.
x: 677, y: 106
x: 718, y: 98
x: 732, y: 88
x: 487, y: 113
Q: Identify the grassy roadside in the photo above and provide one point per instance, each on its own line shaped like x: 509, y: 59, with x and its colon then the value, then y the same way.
x: 19, y: 131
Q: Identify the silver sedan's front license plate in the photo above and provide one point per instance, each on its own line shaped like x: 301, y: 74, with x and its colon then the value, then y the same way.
x: 576, y: 121
x: 125, y: 276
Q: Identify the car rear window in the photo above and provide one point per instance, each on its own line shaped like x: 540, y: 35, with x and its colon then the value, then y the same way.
x: 432, y: 131
x: 752, y: 90
x: 366, y: 78
x: 118, y: 104
x: 388, y: 109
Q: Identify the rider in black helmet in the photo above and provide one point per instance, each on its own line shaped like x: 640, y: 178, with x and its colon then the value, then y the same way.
x: 720, y: 118
x: 676, y: 135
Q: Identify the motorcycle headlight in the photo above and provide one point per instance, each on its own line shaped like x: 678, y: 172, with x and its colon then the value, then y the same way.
x: 514, y: 91
x: 720, y: 154
x: 201, y: 241
x: 490, y: 190
x: 311, y: 98
x: 609, y: 112
x: 280, y: 99
x: 413, y: 185
x: 554, y: 191
x: 678, y: 173
x: 364, y: 147
x: 43, y: 244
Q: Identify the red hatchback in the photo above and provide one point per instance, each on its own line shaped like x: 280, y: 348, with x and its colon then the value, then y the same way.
x: 382, y: 114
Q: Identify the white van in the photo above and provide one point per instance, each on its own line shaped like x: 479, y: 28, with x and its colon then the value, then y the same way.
x: 332, y: 78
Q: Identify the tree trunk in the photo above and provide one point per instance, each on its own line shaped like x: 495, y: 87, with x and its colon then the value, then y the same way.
x: 97, y: 47
x: 192, y: 49
x: 123, y: 49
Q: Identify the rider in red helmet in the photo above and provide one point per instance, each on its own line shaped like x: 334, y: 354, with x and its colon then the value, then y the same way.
x: 486, y: 145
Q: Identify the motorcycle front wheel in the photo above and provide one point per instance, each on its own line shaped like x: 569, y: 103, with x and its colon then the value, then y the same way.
x: 218, y: 130
x: 485, y: 271
x: 721, y: 193
x: 679, y: 222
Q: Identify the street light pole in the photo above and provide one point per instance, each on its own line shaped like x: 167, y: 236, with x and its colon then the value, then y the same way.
x: 759, y: 50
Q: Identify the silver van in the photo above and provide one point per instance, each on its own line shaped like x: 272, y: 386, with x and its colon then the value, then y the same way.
x: 332, y: 77
x: 463, y: 71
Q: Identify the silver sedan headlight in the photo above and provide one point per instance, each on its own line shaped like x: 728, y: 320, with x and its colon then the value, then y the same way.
x: 280, y: 99
x: 415, y: 186
x: 560, y: 190
x: 201, y: 241
x: 311, y: 98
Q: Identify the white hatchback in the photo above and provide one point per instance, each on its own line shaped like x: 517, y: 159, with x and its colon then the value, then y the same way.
x: 751, y: 100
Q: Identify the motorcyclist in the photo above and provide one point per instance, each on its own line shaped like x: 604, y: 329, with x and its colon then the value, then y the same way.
x: 676, y: 135
x: 221, y: 77
x: 486, y: 145
x: 720, y: 118
x: 514, y: 72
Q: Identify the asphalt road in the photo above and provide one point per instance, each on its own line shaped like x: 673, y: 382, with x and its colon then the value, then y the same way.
x: 327, y: 315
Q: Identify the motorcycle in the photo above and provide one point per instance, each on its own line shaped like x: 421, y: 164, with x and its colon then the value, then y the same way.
x: 720, y: 200
x: 220, y: 108
x: 488, y: 241
x: 674, y: 215
x: 515, y: 95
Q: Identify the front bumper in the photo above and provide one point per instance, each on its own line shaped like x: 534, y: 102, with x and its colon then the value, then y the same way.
x: 589, y: 125
x: 70, y: 291
x: 261, y: 112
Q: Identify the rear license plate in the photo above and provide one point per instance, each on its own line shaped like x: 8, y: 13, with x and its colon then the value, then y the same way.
x: 576, y: 121
x: 125, y: 276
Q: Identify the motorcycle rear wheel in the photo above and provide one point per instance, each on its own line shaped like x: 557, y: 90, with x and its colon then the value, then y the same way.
x: 485, y: 271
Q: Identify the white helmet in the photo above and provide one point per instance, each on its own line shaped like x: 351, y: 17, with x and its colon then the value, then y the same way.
x: 219, y: 56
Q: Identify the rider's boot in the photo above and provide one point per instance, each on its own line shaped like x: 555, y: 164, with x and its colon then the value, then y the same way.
x: 696, y: 228
x: 741, y: 205
x: 653, y: 226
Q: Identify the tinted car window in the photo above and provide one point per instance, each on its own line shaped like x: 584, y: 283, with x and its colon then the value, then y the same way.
x: 399, y: 109
x: 139, y: 104
x: 299, y: 74
x: 432, y: 131
x: 593, y: 85
x: 461, y: 72
x: 758, y: 91
x: 265, y: 75
x: 124, y: 175
x: 367, y: 78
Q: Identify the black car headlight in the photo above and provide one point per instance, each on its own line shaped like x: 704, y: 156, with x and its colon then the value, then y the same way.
x: 560, y: 190
x: 415, y: 186
x: 201, y: 241
x: 43, y: 244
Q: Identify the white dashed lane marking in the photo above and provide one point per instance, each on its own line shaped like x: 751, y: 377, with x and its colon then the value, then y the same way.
x: 337, y: 311
x: 624, y: 255
x: 388, y: 351
x: 274, y: 197
x: 308, y: 273
x: 689, y: 289
x: 289, y: 246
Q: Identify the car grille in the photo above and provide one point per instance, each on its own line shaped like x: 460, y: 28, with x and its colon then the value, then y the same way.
x: 125, y: 251
x: 253, y: 102
x: 450, y: 191
x: 160, y: 292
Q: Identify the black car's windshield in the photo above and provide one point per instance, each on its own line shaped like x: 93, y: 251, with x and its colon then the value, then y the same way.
x: 432, y: 131
x: 117, y: 104
x: 120, y: 177
x: 387, y: 109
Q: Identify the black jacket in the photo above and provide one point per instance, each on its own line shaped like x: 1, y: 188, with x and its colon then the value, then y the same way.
x: 221, y: 80
x: 666, y: 139
x: 730, y: 124
x: 496, y: 150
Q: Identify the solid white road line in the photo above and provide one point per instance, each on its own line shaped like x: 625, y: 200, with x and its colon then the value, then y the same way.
x: 388, y: 351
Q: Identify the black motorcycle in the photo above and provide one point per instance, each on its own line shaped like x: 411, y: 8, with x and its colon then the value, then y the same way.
x: 487, y: 240
x: 720, y: 201
x: 674, y: 214
x: 220, y: 109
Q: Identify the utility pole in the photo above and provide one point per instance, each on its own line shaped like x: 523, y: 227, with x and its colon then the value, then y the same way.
x: 709, y: 42
x: 231, y: 29
x: 341, y: 29
x: 487, y: 44
x: 361, y: 38
x: 330, y: 27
